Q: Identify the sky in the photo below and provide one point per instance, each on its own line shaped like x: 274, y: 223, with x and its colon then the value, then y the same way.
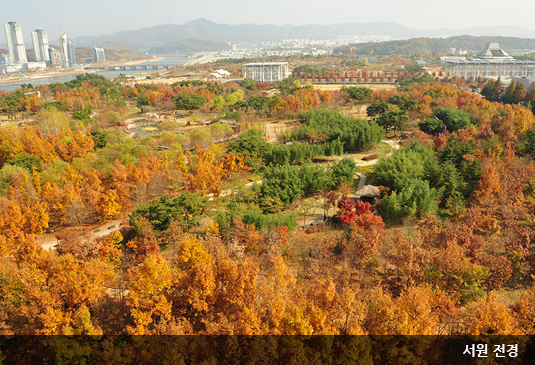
x: 97, y: 17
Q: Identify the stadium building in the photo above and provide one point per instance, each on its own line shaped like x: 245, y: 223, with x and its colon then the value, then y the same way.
x: 491, y: 62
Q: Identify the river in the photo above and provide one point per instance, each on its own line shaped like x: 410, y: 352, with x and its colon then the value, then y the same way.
x: 109, y: 74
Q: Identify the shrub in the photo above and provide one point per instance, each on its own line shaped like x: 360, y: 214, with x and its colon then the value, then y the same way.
x: 189, y: 101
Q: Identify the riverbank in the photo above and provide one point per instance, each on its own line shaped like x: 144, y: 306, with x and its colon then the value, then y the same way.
x: 15, y: 78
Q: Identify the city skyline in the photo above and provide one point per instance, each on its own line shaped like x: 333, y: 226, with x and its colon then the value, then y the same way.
x: 136, y: 14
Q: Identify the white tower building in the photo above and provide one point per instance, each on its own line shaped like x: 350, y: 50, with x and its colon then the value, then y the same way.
x: 98, y: 54
x: 15, y: 42
x: 64, y: 49
x: 40, y: 46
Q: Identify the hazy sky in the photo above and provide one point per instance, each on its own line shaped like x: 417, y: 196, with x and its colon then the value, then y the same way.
x: 97, y: 17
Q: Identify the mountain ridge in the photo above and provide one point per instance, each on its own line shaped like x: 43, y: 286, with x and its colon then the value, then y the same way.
x: 254, y: 33
x: 214, y: 36
x: 428, y: 45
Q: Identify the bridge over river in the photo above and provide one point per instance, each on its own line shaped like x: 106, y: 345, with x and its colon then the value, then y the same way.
x: 166, y: 66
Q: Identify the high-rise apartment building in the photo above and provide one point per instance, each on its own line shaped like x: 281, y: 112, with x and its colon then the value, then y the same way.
x: 98, y: 54
x: 15, y: 42
x: 66, y: 46
x: 40, y: 46
x: 63, y: 49
x: 71, y: 54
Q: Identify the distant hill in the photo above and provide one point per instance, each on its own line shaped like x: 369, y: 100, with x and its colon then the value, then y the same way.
x: 423, y: 46
x: 489, y: 31
x: 205, y: 29
x: 153, y: 37
x: 191, y: 45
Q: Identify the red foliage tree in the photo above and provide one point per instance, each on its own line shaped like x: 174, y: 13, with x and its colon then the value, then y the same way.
x: 362, y: 208
x: 346, y: 214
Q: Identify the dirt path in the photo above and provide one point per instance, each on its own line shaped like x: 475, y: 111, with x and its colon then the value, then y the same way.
x: 48, y: 243
x: 273, y: 129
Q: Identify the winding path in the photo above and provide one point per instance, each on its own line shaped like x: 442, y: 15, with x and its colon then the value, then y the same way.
x: 394, y: 145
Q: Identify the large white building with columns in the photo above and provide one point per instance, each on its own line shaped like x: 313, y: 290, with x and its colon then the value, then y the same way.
x: 266, y: 71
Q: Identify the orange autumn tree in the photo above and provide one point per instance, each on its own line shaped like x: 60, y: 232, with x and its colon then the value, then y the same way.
x: 489, y: 316
x: 70, y: 145
x: 490, y: 180
x: 220, y: 292
x: 205, y: 173
x: 194, y: 282
x: 34, y: 212
x: 51, y: 295
x: 147, y: 300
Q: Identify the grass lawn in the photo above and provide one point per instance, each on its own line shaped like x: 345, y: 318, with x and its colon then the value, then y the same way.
x: 134, y: 113
x: 381, y: 150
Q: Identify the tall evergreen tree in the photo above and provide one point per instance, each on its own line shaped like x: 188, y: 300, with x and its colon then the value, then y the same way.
x: 520, y: 92
x: 508, y: 96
